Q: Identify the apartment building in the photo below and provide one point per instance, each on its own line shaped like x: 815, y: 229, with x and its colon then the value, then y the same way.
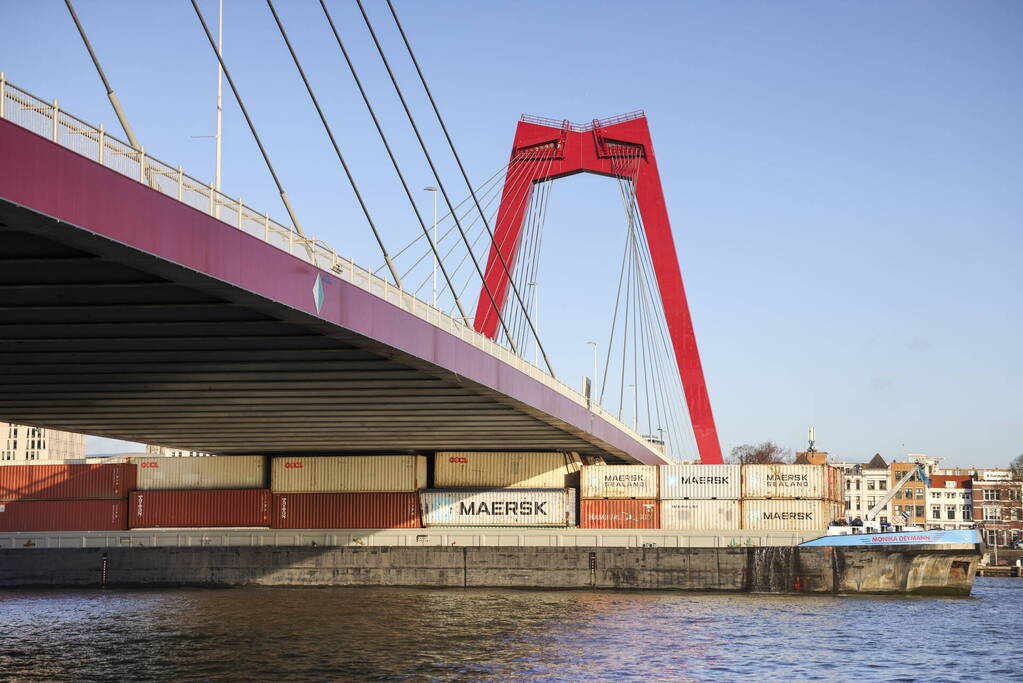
x: 998, y: 507
x: 23, y: 442
x: 170, y: 452
x: 950, y: 502
x: 865, y: 485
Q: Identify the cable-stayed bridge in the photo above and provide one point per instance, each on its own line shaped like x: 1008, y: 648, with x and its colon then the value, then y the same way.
x: 139, y: 303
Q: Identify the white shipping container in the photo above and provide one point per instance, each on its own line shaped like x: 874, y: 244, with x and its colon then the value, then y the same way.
x: 702, y: 482
x: 348, y: 474
x: 537, y: 470
x: 790, y: 515
x: 619, y: 481
x: 700, y: 514
x: 216, y: 472
x: 789, y: 481
x: 499, y: 507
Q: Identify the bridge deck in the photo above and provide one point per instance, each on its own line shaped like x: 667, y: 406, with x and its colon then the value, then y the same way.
x: 126, y: 313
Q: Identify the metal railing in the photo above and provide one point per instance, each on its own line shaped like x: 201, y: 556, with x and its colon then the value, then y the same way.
x: 582, y: 127
x: 48, y: 120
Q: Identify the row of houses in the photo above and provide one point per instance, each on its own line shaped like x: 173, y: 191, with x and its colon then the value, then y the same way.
x: 958, y: 498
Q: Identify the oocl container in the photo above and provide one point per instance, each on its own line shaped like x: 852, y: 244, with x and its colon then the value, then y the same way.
x: 619, y: 514
x: 619, y: 481
x: 536, y: 470
x: 691, y: 514
x: 348, y: 474
x: 216, y: 472
x: 64, y: 515
x: 237, y: 507
x: 66, y: 482
x: 703, y: 482
x: 791, y: 481
x: 499, y: 507
x: 790, y: 515
x: 346, y: 511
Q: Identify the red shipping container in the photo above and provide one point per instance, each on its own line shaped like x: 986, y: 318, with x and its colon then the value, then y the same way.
x: 66, y: 482
x: 64, y: 515
x: 347, y: 511
x: 619, y: 514
x: 237, y: 507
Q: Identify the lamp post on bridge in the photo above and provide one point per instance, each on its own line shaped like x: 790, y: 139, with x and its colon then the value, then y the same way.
x: 431, y: 188
x: 594, y: 345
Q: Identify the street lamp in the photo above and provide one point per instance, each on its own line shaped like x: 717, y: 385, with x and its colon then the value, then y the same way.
x: 594, y: 345
x: 635, y: 408
x: 433, y: 189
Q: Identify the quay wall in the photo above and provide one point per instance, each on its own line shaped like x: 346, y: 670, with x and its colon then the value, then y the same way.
x: 768, y: 569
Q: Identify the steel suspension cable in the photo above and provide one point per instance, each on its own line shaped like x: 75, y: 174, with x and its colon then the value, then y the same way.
x: 390, y: 153
x: 333, y: 142
x: 433, y: 168
x: 465, y: 175
x: 297, y: 227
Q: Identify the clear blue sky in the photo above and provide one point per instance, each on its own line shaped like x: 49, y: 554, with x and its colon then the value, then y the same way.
x: 843, y: 178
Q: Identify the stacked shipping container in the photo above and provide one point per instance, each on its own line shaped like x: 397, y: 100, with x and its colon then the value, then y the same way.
x: 502, y: 489
x: 700, y: 496
x: 347, y: 491
x: 61, y: 497
x: 791, y: 497
x: 619, y: 497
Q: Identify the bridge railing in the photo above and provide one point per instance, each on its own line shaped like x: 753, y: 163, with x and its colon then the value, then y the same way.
x: 50, y: 121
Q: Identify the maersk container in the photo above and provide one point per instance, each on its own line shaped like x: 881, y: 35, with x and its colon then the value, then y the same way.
x: 64, y: 515
x: 604, y: 513
x: 499, y: 507
x: 700, y: 482
x: 619, y: 481
x: 235, y: 507
x: 811, y: 482
x: 348, y: 474
x: 66, y: 482
x: 217, y: 472
x: 536, y: 470
x: 699, y: 515
x: 790, y: 515
x: 346, y: 511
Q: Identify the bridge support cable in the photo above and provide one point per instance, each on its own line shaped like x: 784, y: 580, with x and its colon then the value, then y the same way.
x: 390, y: 154
x: 468, y: 184
x: 111, y: 95
x: 433, y: 167
x: 333, y: 142
x: 296, y: 225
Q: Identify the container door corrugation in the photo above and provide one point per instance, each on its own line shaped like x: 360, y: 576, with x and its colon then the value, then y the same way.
x: 702, y: 482
x: 348, y: 474
x: 499, y: 507
x: 789, y: 515
x: 236, y: 507
x: 700, y: 514
x: 217, y: 472
x: 66, y: 482
x: 537, y: 470
x: 346, y: 511
x: 64, y: 515
x: 619, y: 481
x: 604, y: 513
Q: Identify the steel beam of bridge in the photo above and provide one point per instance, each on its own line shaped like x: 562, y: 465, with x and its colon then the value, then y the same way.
x: 128, y: 314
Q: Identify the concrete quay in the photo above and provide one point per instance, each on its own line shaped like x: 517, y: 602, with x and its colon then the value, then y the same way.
x: 629, y: 560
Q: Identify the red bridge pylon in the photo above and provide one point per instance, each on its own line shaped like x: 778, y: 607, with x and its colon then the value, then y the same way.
x: 552, y: 149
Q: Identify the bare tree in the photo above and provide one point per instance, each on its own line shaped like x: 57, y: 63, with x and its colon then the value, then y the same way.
x: 1017, y: 467
x: 766, y: 453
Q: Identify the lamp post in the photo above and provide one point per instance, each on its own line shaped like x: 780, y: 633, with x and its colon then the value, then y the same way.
x: 594, y: 345
x: 635, y: 408
x: 433, y: 189
x: 534, y: 287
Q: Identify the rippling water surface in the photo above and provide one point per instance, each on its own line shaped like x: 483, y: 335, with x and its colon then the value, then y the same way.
x: 478, y: 634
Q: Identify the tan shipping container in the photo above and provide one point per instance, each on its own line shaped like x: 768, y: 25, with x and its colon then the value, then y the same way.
x: 790, y: 515
x: 810, y: 482
x: 700, y: 514
x: 700, y: 482
x: 199, y: 473
x: 619, y: 481
x: 536, y: 470
x: 348, y: 474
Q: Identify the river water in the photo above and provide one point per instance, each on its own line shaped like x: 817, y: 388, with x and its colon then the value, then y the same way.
x: 479, y: 634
